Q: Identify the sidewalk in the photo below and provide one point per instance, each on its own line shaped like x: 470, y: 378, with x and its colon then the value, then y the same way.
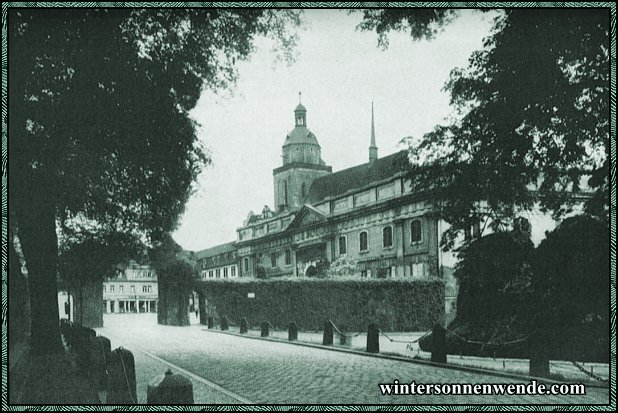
x: 406, y: 345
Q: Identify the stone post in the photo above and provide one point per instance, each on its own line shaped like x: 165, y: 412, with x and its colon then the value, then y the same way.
x: 327, y: 338
x: 373, y: 339
x: 292, y: 332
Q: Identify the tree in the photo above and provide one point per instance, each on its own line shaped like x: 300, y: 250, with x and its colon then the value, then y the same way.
x: 176, y: 280
x: 99, y: 128
x: 85, y: 262
x: 494, y: 275
x: 532, y: 112
x: 571, y: 274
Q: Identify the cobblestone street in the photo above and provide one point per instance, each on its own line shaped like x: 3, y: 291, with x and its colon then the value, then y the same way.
x: 259, y: 371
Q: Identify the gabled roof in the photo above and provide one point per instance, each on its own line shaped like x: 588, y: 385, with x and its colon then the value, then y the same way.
x: 216, y: 250
x: 357, y: 177
x: 306, y: 215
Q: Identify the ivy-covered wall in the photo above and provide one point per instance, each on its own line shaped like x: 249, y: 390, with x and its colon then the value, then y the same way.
x: 394, y: 305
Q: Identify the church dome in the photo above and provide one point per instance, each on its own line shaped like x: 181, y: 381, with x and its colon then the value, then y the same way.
x: 300, y: 108
x: 300, y: 135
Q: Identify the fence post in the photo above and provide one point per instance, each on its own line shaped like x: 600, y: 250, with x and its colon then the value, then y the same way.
x: 438, y: 348
x: 211, y: 322
x: 265, y: 332
x: 225, y: 324
x: 373, y: 339
x: 292, y: 332
x: 244, y: 326
x: 327, y: 339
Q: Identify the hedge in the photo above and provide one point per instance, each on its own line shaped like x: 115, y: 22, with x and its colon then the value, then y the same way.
x: 394, y: 305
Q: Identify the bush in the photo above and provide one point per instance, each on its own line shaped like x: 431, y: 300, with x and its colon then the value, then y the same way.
x: 571, y: 283
x: 393, y: 304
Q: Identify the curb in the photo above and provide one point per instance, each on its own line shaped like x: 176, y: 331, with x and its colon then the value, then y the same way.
x: 407, y: 359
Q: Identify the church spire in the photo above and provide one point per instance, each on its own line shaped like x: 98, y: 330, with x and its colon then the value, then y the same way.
x: 300, y: 114
x: 373, y: 149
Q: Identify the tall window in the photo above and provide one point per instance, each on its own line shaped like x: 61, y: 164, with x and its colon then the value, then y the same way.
x: 120, y: 288
x: 343, y: 247
x: 246, y: 261
x: 111, y: 288
x: 362, y: 238
x: 104, y: 288
x: 288, y: 257
x: 273, y: 260
x: 225, y: 272
x: 132, y: 288
x: 218, y: 273
x: 416, y: 233
x: 233, y: 271
x: 387, y: 237
x: 285, y: 193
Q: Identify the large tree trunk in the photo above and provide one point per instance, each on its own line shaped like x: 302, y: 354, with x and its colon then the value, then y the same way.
x: 19, y: 304
x: 88, y: 304
x: 37, y: 234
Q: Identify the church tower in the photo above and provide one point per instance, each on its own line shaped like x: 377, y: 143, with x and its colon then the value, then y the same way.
x: 302, y: 163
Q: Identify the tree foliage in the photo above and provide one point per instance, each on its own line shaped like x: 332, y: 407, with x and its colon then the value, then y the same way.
x: 494, y: 275
x: 423, y: 23
x: 100, y: 133
x: 571, y: 273
x: 532, y: 113
x: 95, y: 258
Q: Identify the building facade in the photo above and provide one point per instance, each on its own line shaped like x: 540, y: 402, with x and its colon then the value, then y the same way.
x: 133, y: 290
x: 368, y: 214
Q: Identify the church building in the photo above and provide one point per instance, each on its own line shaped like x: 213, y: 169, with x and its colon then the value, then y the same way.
x: 367, y: 214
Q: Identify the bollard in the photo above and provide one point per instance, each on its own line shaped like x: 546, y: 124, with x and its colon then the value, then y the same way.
x: 170, y: 388
x: 244, y: 326
x: 83, y: 344
x: 265, y: 329
x: 327, y: 338
x: 100, y: 353
x: 438, y: 348
x: 539, y: 359
x: 225, y: 324
x: 292, y: 331
x: 211, y: 322
x: 121, y: 372
x: 373, y: 339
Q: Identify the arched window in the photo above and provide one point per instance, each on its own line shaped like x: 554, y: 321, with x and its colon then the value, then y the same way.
x: 246, y: 262
x: 288, y: 257
x: 387, y: 237
x: 343, y: 247
x: 416, y: 231
x: 362, y: 239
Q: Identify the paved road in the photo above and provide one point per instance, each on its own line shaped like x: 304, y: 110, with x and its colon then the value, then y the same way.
x: 281, y: 373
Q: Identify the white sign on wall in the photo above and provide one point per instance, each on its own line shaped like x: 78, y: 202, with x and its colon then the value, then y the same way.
x: 250, y: 295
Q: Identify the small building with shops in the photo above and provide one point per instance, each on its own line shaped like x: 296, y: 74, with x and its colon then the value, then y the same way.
x: 133, y: 290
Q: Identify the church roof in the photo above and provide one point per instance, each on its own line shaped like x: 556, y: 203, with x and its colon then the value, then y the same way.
x: 300, y: 108
x: 216, y: 250
x: 356, y: 177
x: 300, y: 135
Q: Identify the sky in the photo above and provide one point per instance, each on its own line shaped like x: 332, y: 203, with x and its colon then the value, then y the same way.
x: 340, y: 71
